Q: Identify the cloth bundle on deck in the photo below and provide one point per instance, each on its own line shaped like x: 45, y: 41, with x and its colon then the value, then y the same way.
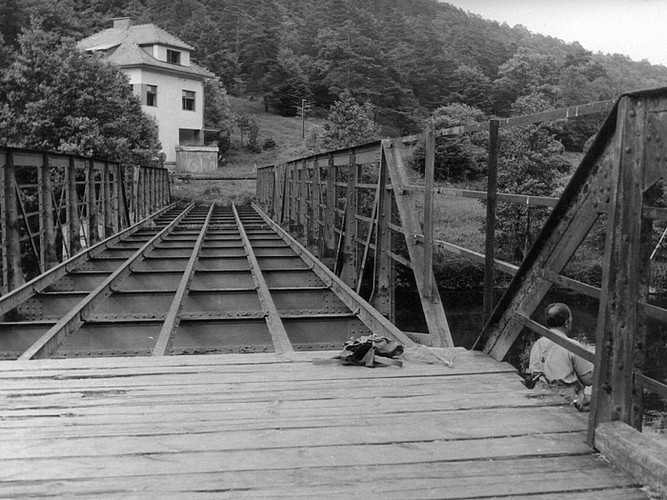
x: 371, y: 351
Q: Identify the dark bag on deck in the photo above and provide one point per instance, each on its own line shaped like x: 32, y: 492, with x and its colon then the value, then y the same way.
x: 371, y: 351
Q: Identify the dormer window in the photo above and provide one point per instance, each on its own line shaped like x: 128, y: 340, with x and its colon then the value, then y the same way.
x: 173, y: 56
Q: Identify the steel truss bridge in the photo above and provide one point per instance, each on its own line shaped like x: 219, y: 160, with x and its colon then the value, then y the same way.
x: 99, y: 268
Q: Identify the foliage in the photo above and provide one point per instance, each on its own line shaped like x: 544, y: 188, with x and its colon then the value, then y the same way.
x: 289, y: 85
x: 349, y: 123
x: 530, y: 162
x: 406, y: 58
x: 55, y: 97
x: 457, y: 157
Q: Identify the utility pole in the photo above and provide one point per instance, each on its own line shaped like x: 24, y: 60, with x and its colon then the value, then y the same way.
x: 303, y: 118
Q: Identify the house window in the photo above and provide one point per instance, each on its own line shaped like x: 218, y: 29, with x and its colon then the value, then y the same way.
x: 173, y: 56
x: 151, y: 95
x: 188, y: 100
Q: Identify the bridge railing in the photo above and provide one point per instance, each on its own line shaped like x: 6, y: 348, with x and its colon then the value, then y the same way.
x: 54, y: 205
x: 346, y: 213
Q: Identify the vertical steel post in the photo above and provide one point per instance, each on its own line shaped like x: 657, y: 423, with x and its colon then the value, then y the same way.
x: 329, y: 211
x: 316, y: 195
x: 491, y: 189
x: 4, y: 225
x: 73, y: 221
x: 382, y: 297
x: 116, y: 187
x: 620, y: 336
x: 11, y: 238
x: 106, y: 201
x: 93, y: 236
x: 429, y: 174
x: 47, y: 233
x: 349, y: 270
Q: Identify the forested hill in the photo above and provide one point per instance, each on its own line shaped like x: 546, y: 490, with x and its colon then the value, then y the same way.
x: 407, y: 57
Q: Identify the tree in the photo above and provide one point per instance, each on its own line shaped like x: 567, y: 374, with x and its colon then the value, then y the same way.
x: 57, y: 98
x: 472, y: 87
x: 458, y: 157
x: 349, y: 123
x: 528, y: 71
x: 530, y: 162
x: 288, y: 84
x: 216, y: 112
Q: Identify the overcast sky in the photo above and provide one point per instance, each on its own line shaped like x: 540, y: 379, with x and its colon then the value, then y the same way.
x: 636, y: 28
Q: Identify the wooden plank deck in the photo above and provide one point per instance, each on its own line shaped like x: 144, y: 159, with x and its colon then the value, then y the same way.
x: 254, y: 426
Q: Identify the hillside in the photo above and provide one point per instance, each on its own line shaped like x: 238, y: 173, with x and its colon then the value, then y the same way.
x: 239, y: 162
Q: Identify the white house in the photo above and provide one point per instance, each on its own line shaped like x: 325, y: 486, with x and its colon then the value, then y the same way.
x: 170, y: 86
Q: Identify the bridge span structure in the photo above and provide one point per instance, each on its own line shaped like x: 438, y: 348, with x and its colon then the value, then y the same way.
x: 111, y: 294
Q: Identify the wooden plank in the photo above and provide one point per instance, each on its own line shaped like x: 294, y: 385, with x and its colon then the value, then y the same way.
x: 267, y: 431
x: 542, y: 445
x: 638, y: 455
x: 517, y: 476
x: 188, y: 426
x: 464, y: 362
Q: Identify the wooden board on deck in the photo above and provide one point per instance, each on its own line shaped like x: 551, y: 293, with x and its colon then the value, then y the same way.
x: 264, y: 426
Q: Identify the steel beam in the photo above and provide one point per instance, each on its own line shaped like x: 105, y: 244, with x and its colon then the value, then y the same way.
x: 171, y: 321
x: 277, y: 330
x: 362, y: 309
x: 48, y: 343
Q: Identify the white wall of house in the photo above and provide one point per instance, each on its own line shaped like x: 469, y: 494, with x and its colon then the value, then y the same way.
x: 169, y: 112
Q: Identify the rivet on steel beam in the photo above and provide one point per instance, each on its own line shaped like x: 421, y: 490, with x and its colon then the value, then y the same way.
x: 628, y: 149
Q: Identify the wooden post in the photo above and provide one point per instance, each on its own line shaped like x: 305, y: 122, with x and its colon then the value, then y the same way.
x: 12, y: 272
x: 429, y: 174
x: 620, y: 336
x: 47, y: 233
x: 489, y: 253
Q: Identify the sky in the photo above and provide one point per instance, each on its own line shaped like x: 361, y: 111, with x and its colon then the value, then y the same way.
x: 636, y: 28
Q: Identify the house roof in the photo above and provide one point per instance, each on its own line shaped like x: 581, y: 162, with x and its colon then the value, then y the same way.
x: 123, y: 48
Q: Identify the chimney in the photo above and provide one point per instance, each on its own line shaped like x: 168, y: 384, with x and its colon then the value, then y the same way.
x: 122, y: 23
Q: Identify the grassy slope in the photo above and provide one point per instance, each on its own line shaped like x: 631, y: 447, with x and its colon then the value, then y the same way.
x: 240, y: 162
